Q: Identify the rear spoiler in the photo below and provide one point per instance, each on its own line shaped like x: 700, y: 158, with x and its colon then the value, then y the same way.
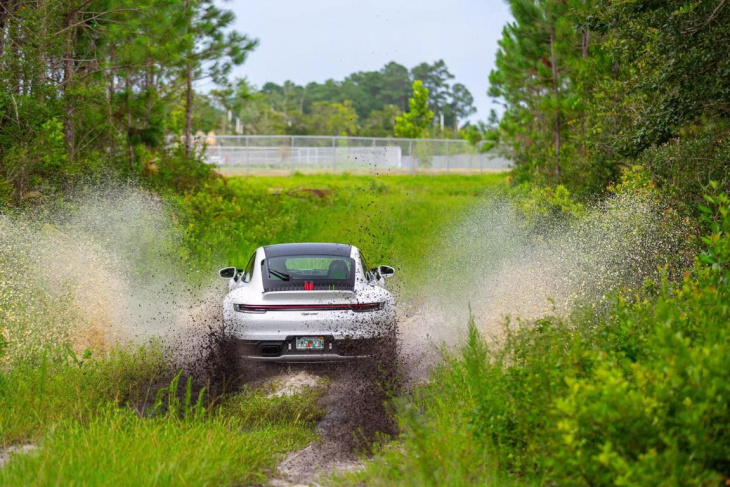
x: 324, y: 294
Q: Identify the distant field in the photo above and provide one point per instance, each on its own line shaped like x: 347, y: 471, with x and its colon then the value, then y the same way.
x: 394, y: 219
x: 232, y: 171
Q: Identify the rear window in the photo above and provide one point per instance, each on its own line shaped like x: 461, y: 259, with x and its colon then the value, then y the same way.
x: 308, y: 273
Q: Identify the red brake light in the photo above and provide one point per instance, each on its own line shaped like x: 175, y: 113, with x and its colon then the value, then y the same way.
x: 263, y: 308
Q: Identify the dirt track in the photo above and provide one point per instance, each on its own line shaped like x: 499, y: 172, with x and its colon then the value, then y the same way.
x: 356, y: 415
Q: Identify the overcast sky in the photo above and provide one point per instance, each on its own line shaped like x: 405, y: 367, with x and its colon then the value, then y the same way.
x: 315, y: 40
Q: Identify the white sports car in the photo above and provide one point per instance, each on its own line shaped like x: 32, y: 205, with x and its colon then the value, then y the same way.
x: 309, y: 302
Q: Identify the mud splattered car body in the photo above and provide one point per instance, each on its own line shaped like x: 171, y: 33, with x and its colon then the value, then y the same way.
x: 309, y: 302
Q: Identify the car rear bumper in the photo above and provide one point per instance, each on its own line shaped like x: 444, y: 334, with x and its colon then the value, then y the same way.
x: 307, y: 358
x: 334, y: 350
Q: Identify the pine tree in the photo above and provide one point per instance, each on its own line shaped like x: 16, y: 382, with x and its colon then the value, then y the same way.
x: 414, y: 123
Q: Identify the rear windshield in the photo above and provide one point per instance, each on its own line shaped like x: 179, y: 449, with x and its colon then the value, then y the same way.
x: 308, y: 273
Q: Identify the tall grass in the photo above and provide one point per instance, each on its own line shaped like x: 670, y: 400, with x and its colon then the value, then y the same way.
x: 637, y: 395
x: 36, y: 394
x: 121, y: 414
x: 181, y: 441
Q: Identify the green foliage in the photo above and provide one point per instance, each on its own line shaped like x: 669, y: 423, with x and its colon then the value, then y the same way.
x: 380, y: 123
x: 333, y: 118
x: 87, y: 89
x: 545, y: 207
x: 648, y: 85
x: 393, y: 219
x: 375, y: 97
x: 171, y: 170
x: 702, y: 148
x: 637, y: 396
x: 414, y: 123
x: 658, y: 418
x: 717, y: 218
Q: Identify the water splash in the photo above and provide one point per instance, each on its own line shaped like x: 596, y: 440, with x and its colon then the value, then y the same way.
x: 497, y: 265
x: 100, y: 269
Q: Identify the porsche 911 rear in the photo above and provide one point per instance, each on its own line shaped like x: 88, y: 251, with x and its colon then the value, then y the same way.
x: 309, y: 302
x: 285, y: 328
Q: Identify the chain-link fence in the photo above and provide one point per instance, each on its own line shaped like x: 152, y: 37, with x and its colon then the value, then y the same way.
x: 263, y: 153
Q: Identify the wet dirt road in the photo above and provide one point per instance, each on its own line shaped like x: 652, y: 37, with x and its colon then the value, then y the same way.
x: 356, y: 414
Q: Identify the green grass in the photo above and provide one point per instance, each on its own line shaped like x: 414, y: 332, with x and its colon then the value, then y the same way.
x: 226, y: 445
x: 86, y: 419
x: 394, y: 220
x: 119, y: 448
x: 83, y: 413
x: 37, y: 394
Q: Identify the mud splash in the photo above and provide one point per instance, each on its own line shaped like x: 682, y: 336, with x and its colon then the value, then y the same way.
x: 104, y: 270
x: 99, y: 270
x: 496, y: 266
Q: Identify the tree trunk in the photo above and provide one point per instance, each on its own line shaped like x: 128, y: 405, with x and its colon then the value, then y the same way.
x: 188, y: 108
x: 585, y: 39
x: 4, y: 8
x: 188, y: 90
x: 110, y: 104
x: 43, y: 62
x: 68, y: 72
x: 149, y: 82
x: 128, y: 88
x: 557, y: 100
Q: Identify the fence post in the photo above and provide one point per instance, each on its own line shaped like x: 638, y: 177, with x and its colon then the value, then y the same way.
x: 448, y: 157
x: 334, y: 154
x: 248, y: 156
x: 291, y: 154
x: 375, y: 162
x: 410, y: 154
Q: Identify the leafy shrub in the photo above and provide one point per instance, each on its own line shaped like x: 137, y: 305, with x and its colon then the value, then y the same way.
x: 545, y: 207
x: 171, y: 169
x: 660, y: 419
x: 682, y: 167
x: 638, y: 396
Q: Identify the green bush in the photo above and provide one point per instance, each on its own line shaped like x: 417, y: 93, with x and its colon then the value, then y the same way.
x: 636, y: 396
x: 661, y: 418
x: 683, y: 166
x: 545, y: 207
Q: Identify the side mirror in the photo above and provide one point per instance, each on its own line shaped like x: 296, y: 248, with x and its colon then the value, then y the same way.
x: 228, y: 272
x: 386, y: 271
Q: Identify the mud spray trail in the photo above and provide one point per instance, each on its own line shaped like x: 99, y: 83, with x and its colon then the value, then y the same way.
x: 108, y: 275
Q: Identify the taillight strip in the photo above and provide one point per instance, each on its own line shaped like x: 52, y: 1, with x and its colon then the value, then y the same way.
x: 263, y: 308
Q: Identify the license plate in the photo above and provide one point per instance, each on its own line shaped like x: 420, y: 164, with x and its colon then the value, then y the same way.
x: 310, y: 343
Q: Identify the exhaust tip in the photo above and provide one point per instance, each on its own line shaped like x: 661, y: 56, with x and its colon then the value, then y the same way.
x: 270, y: 350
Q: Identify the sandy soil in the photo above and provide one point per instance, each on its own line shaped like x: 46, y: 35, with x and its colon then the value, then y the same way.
x: 356, y: 415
